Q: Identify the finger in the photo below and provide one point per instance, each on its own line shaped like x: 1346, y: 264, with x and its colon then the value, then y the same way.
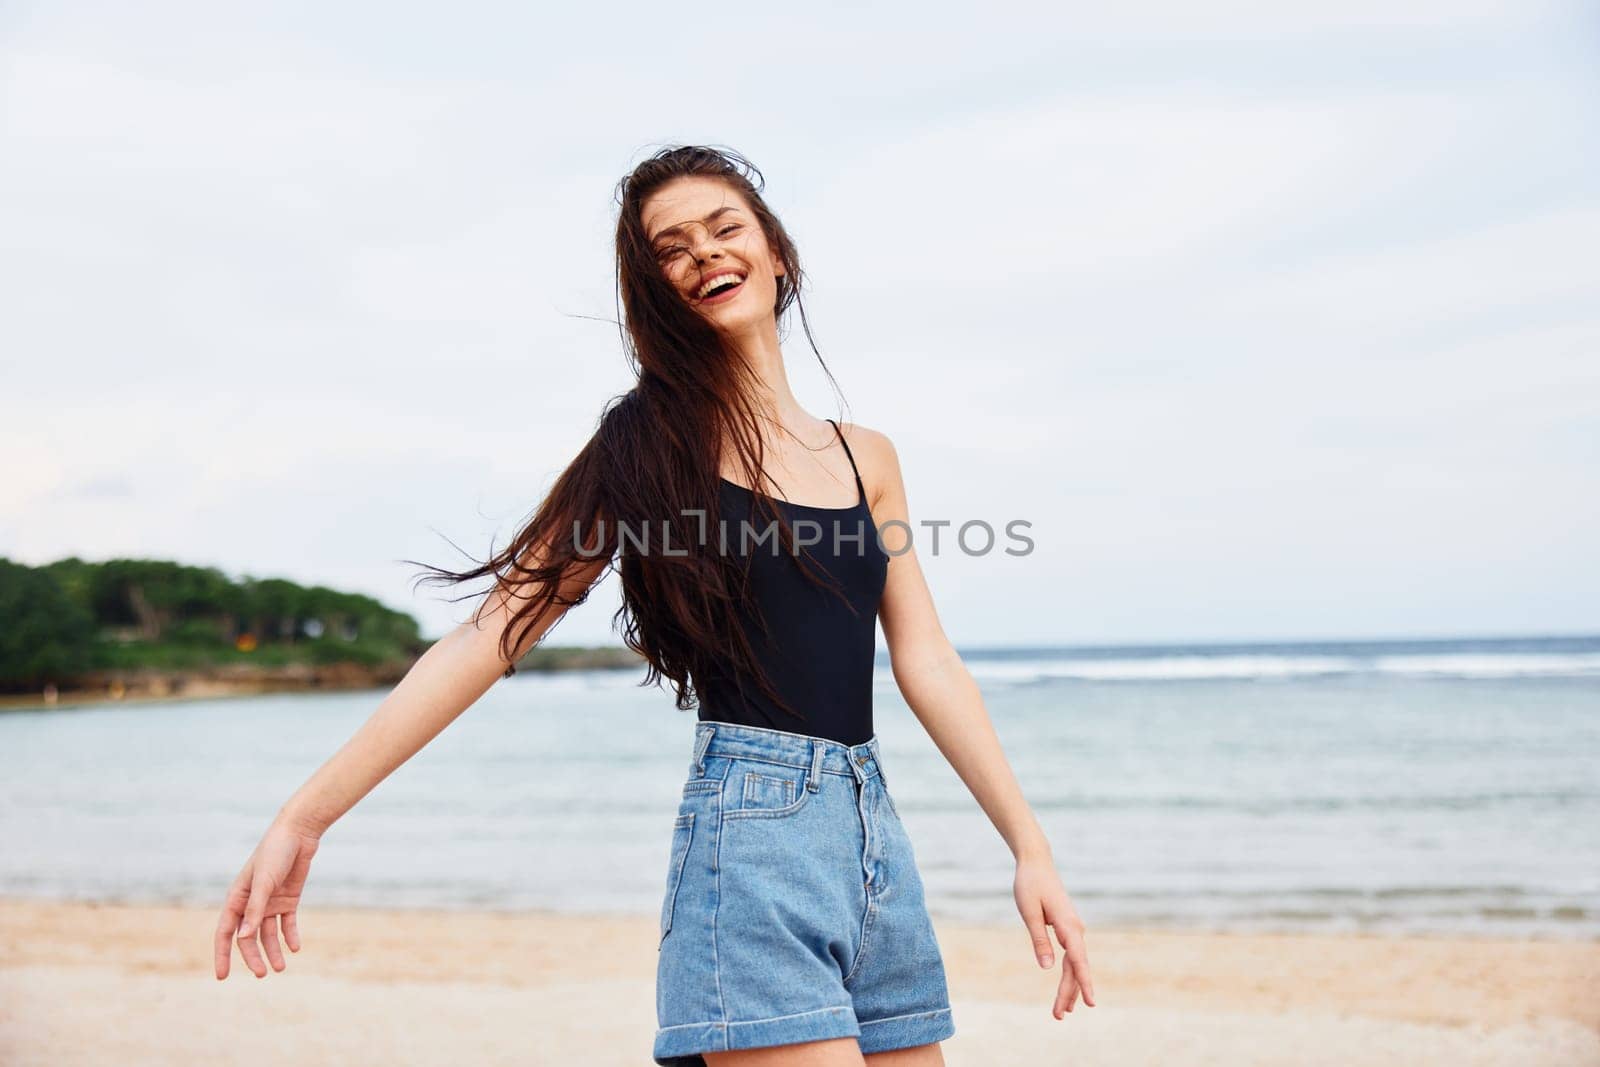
x: 222, y: 941
x: 1066, y: 993
x: 291, y: 931
x: 250, y: 948
x: 269, y: 941
x: 1072, y: 934
x: 1033, y: 918
x: 228, y: 922
x: 1078, y: 962
x: 250, y: 929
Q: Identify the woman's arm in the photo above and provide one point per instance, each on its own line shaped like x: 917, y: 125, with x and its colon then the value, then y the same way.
x: 943, y: 695
x: 448, y: 678
x: 444, y: 682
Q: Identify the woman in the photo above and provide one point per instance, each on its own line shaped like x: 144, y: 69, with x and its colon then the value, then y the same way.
x: 745, y: 533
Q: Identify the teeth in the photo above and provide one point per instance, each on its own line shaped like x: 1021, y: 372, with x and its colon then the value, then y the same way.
x: 714, y: 282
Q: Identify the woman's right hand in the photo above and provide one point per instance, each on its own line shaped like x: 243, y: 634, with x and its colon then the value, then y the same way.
x: 266, y: 895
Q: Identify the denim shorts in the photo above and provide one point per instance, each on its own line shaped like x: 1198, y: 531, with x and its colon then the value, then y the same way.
x: 793, y: 908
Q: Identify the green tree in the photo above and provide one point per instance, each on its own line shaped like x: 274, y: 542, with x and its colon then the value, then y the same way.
x: 45, y: 635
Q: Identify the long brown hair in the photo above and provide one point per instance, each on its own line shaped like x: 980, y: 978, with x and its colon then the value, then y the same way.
x: 655, y: 454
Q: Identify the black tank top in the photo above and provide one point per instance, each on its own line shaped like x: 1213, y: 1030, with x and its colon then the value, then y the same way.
x: 817, y: 653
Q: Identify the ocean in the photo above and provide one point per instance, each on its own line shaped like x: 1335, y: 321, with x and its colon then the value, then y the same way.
x: 1377, y: 786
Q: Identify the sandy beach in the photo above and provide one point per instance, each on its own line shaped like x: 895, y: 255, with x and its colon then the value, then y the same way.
x: 95, y: 984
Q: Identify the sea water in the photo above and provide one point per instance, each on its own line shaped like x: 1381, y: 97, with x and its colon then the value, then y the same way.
x: 1363, y: 786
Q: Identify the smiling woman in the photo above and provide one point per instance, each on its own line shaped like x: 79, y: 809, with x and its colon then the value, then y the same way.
x: 793, y: 919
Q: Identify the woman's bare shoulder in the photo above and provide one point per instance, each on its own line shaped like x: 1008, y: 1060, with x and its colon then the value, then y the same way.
x: 875, y: 457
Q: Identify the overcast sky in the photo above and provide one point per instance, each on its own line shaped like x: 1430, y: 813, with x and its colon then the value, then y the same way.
x: 1276, y: 321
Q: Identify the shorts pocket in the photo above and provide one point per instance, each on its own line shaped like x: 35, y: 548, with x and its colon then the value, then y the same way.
x: 766, y: 790
x: 682, y: 834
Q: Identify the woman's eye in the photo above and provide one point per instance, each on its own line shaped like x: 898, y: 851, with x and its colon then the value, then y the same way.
x: 673, y: 251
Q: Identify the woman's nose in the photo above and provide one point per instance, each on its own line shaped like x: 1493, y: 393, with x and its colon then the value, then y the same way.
x: 705, y: 249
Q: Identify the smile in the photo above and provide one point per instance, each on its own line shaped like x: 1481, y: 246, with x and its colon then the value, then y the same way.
x: 720, y: 287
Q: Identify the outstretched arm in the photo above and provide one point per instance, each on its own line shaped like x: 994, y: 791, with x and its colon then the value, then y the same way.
x: 446, y: 680
x: 945, y: 698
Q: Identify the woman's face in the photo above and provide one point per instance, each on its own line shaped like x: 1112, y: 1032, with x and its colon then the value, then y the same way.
x: 703, y: 230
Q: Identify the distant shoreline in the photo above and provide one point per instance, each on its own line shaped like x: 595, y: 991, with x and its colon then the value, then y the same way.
x: 149, y: 685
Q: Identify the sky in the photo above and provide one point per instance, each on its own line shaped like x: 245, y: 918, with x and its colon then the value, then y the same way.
x: 1274, y: 321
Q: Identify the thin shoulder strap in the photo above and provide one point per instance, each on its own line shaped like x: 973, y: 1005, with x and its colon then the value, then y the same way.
x: 852, y: 458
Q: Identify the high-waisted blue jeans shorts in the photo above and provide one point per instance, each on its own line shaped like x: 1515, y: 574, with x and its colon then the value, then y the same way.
x: 793, y: 908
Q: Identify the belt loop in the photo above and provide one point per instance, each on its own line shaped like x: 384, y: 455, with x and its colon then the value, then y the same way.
x: 700, y: 744
x: 814, y: 779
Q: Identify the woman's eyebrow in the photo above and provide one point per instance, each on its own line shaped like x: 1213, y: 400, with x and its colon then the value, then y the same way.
x: 670, y: 230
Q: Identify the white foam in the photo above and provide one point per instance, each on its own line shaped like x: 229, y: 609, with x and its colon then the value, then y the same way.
x: 1198, y: 667
x: 1491, y: 665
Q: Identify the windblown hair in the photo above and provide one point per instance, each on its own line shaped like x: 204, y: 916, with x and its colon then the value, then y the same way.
x: 656, y: 456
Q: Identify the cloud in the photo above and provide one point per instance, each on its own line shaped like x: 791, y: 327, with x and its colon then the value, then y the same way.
x: 1245, y: 303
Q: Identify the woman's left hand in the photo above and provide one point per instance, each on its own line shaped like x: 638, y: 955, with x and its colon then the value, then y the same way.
x: 1043, y: 902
